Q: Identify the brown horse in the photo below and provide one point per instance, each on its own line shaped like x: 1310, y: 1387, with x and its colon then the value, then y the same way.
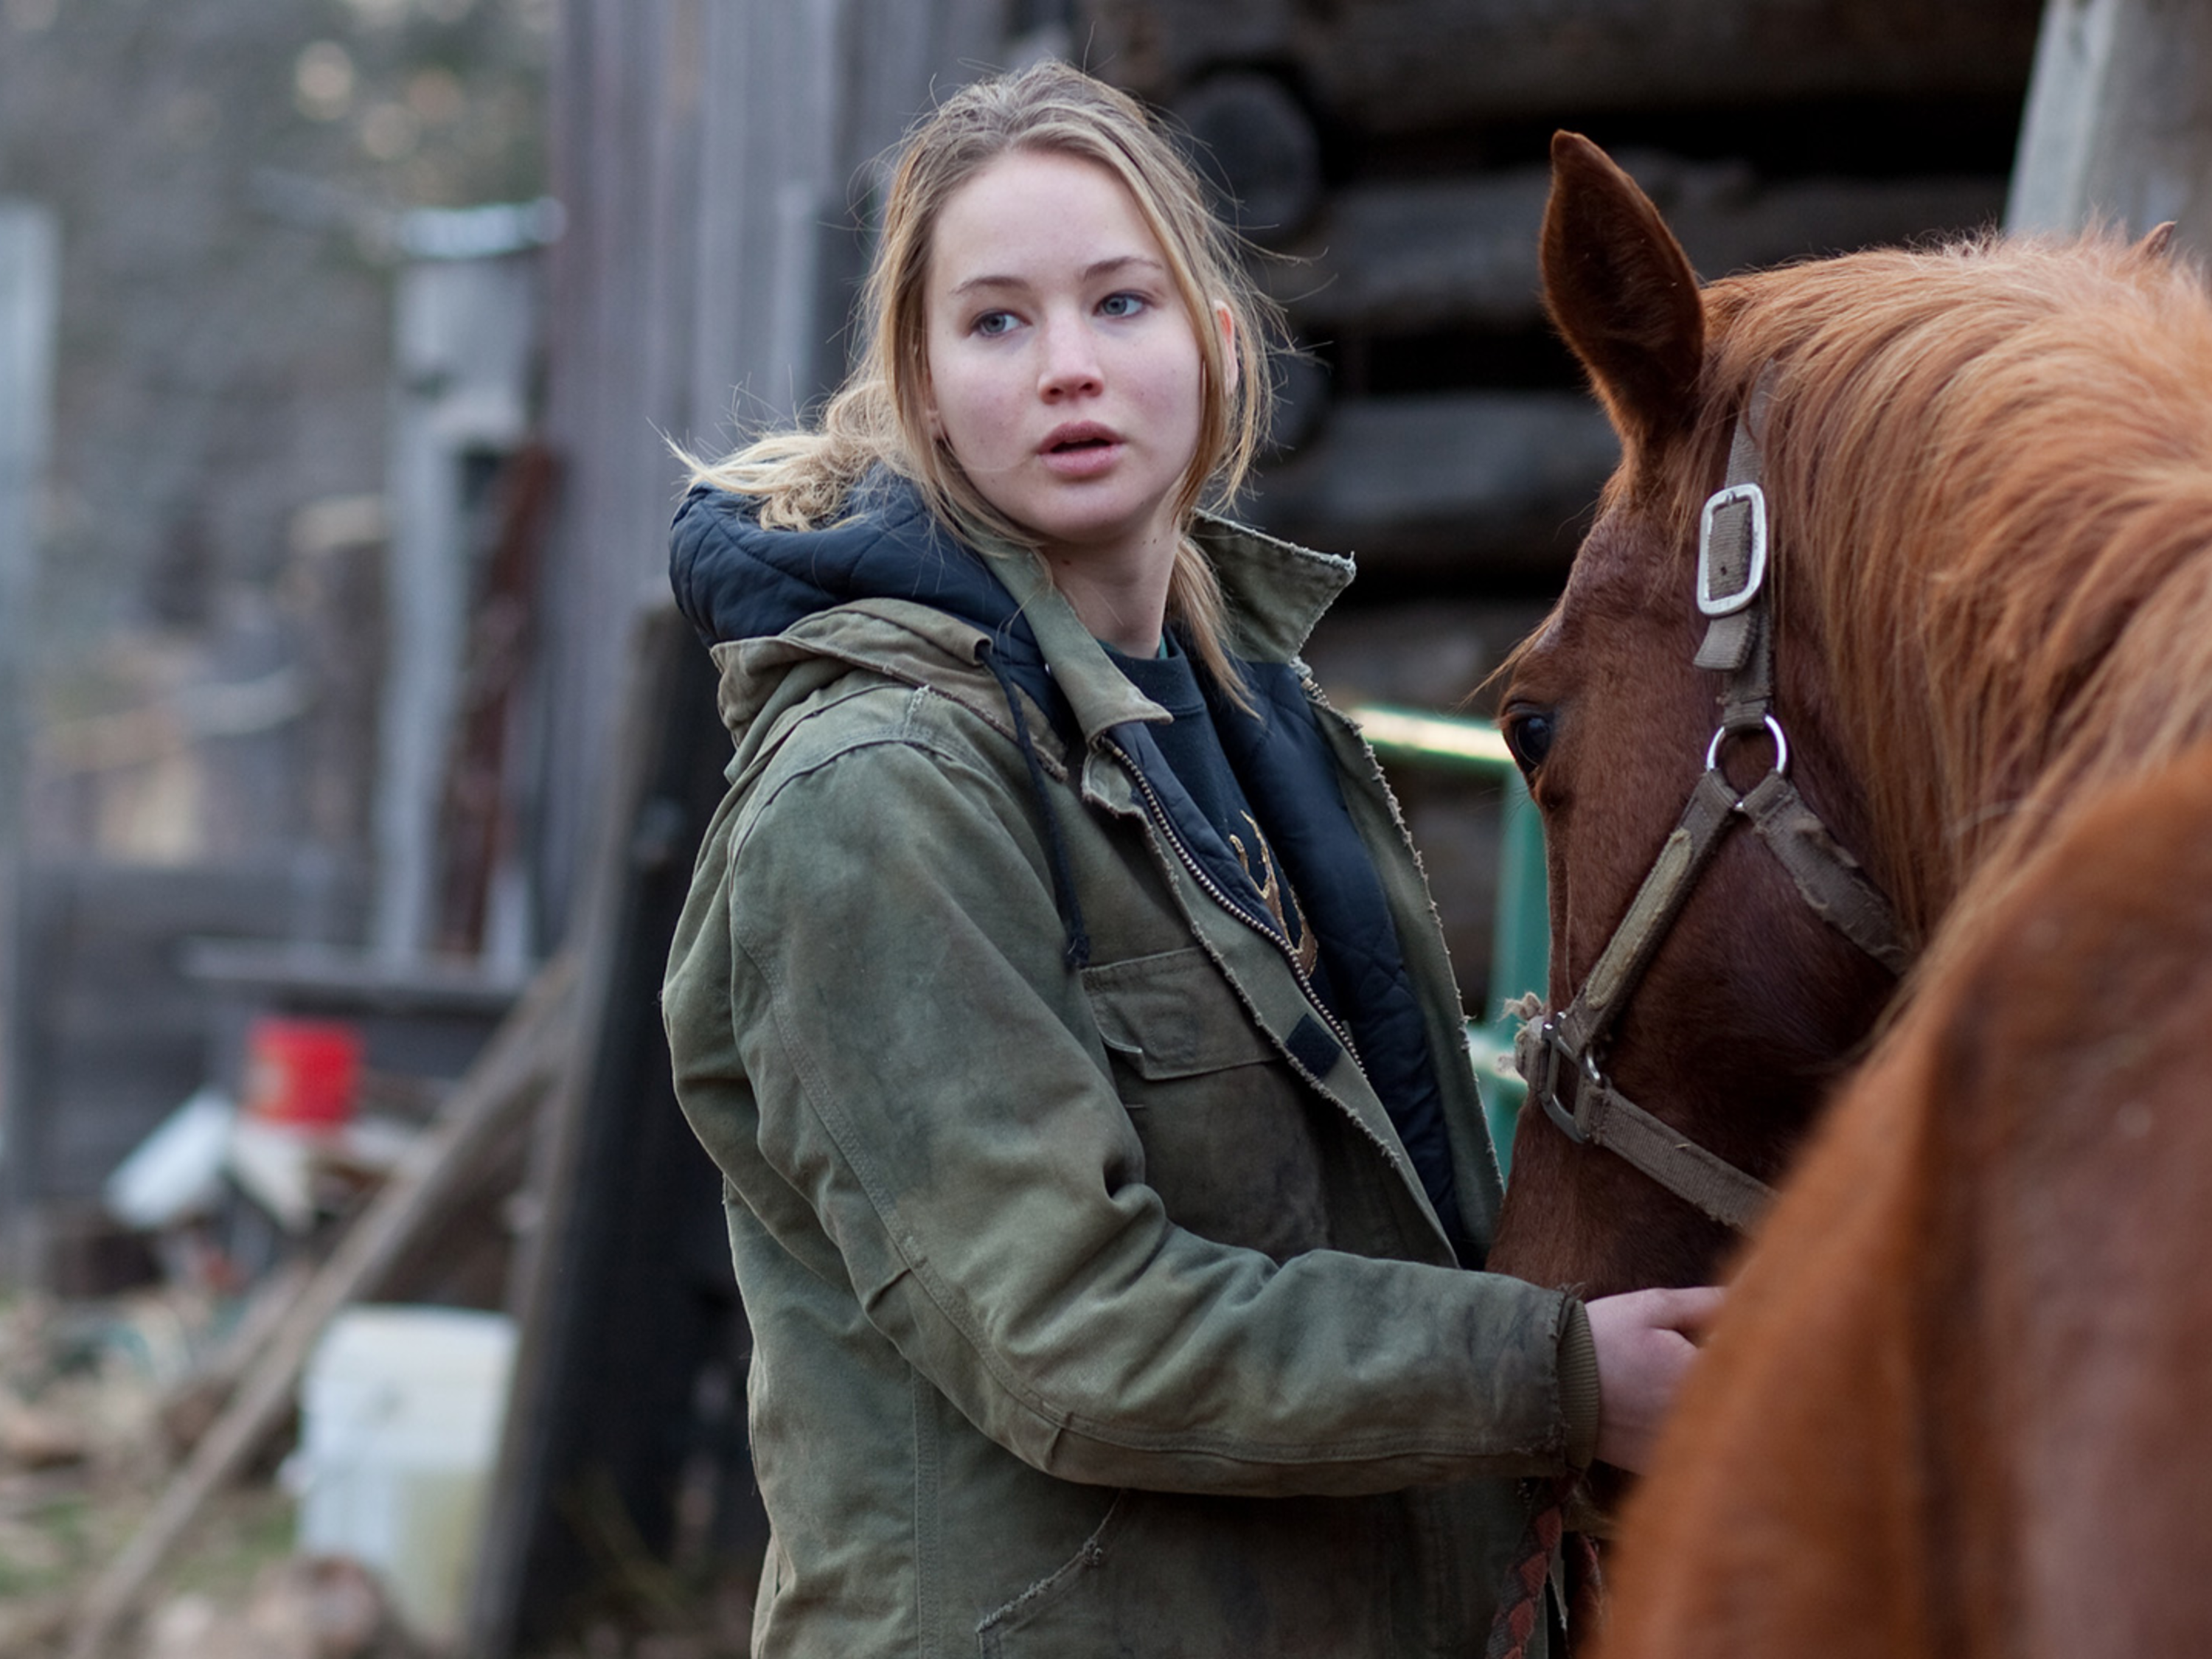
x: 1958, y: 1403
x: 1989, y: 474
x: 1989, y: 477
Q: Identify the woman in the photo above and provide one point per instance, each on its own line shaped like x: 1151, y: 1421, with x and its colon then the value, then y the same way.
x: 1060, y: 997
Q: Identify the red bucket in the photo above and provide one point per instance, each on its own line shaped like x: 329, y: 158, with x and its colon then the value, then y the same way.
x: 301, y: 1073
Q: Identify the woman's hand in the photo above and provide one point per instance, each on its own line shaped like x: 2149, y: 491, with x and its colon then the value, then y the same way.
x: 1645, y: 1340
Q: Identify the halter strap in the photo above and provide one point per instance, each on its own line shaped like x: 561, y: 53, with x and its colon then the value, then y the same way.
x: 1559, y: 1053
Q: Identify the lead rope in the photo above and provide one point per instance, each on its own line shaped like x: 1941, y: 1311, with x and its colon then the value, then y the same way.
x: 1521, y: 1596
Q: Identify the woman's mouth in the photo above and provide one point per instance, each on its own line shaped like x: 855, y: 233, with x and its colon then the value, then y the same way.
x: 1080, y: 450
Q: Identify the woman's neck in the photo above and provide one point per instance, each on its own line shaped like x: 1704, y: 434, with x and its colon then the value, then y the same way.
x: 1122, y: 601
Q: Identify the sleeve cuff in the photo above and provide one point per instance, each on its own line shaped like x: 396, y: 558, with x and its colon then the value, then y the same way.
x: 1579, y: 1393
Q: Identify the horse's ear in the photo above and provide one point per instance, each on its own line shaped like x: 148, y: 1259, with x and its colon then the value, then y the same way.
x: 1621, y: 290
x: 2158, y: 242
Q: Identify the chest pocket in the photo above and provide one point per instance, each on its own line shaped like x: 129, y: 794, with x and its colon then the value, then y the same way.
x: 1172, y: 1015
x: 1228, y: 1131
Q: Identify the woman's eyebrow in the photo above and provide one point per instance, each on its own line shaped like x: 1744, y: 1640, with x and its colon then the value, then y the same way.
x: 1091, y: 272
x: 987, y: 282
x: 1119, y: 262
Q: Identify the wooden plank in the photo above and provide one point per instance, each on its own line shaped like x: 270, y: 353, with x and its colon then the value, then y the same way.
x: 626, y: 1252
x: 709, y: 170
x: 529, y: 1053
x: 1403, y: 258
x: 2119, y: 127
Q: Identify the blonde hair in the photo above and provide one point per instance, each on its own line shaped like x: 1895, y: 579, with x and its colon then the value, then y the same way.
x: 880, y: 416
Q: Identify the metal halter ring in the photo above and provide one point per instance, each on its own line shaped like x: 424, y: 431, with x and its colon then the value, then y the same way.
x: 1773, y: 731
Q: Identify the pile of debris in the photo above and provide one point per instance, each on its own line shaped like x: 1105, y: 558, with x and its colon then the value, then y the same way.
x: 98, y: 1403
x: 142, y: 1516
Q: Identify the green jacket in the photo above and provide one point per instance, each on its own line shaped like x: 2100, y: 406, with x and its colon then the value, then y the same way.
x: 1087, y: 1319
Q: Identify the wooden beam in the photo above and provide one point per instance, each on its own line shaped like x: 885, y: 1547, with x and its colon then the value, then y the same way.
x: 2119, y: 127
x: 1495, y: 481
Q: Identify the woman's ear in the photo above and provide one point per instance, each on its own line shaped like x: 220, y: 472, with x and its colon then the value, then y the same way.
x: 1226, y: 320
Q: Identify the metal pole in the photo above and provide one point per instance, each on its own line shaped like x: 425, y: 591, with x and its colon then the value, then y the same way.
x: 30, y: 262
x: 464, y: 332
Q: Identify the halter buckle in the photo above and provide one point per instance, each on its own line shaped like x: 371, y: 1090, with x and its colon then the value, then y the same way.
x: 1753, y: 498
x: 1552, y: 1045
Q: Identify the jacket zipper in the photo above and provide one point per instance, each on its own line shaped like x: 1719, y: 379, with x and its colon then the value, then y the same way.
x: 1156, y: 811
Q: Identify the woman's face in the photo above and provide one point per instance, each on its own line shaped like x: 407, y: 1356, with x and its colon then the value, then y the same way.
x: 1063, y: 372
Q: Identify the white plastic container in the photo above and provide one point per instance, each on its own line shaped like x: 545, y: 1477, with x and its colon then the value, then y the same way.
x: 400, y: 1416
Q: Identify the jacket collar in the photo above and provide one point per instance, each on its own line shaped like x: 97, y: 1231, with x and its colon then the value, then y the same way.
x: 1275, y: 592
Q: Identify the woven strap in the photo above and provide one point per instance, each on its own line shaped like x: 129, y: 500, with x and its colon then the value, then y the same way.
x: 1828, y: 878
x: 1731, y: 557
x: 1706, y: 819
x: 1609, y: 1119
x: 1601, y: 1115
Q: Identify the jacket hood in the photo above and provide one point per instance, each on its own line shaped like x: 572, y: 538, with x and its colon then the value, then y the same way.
x: 735, y: 580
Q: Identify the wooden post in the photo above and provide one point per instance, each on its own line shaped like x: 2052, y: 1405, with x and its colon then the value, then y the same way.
x: 622, y: 1287
x: 2118, y: 125
x: 30, y: 261
x: 714, y: 163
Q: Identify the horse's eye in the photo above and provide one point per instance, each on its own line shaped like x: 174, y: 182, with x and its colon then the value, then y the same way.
x: 1527, y: 736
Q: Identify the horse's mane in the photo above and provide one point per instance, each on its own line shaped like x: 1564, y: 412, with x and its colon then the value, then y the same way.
x: 1990, y: 470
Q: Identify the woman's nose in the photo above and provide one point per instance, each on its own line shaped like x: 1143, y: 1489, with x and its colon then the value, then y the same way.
x: 1070, y: 363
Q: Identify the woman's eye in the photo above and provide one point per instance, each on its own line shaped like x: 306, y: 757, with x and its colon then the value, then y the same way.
x: 992, y: 323
x: 1527, y: 736
x: 1121, y: 305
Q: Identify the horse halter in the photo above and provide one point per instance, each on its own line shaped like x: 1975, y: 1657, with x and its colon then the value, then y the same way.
x: 1559, y: 1055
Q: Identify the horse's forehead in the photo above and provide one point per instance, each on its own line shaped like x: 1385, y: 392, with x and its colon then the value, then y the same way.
x: 1614, y: 618
x: 1627, y: 570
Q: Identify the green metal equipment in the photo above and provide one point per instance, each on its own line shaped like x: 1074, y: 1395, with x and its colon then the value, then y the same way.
x: 1521, y: 931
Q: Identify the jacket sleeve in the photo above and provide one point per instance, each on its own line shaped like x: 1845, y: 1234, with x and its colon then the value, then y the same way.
x: 927, y: 1077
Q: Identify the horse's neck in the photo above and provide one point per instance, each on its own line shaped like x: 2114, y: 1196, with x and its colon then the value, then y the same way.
x: 1976, y: 741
